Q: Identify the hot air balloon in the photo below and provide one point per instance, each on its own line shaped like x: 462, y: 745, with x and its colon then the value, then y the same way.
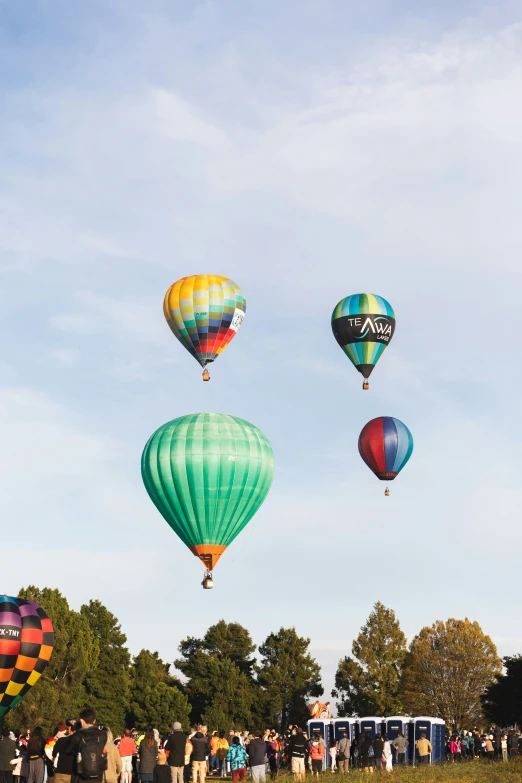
x: 385, y: 444
x: 204, y: 312
x: 207, y: 474
x: 363, y: 325
x: 26, y: 646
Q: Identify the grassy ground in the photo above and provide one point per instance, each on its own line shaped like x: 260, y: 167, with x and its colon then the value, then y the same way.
x: 472, y: 772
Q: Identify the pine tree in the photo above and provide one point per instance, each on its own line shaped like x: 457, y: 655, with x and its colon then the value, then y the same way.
x: 448, y: 668
x: 502, y: 701
x: 209, y: 664
x: 288, y: 676
x: 156, y: 698
x: 107, y: 686
x: 370, y: 682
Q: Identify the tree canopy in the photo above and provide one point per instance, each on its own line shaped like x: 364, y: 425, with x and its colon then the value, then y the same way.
x: 448, y: 668
x: 502, y: 701
x: 370, y: 682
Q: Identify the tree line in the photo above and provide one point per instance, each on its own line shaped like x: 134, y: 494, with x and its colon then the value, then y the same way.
x: 450, y: 670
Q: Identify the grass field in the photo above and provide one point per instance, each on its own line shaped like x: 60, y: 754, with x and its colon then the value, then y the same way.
x: 474, y: 772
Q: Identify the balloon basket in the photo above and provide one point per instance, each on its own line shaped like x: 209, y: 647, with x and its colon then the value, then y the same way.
x: 206, y: 375
x: 208, y: 582
x: 366, y: 385
x: 387, y: 492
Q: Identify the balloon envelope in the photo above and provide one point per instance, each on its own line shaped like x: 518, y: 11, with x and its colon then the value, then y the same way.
x: 26, y: 646
x: 207, y: 474
x: 363, y: 325
x: 204, y: 312
x: 385, y: 444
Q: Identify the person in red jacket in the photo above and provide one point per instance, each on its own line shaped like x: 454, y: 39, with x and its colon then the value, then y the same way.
x: 317, y: 751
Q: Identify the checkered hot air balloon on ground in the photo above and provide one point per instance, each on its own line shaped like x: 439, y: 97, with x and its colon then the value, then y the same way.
x: 26, y: 646
x: 363, y: 325
x: 204, y: 312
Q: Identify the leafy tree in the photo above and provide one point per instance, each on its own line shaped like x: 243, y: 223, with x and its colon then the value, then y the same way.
x: 107, y: 685
x: 225, y: 652
x: 156, y: 698
x: 448, y: 668
x: 371, y: 684
x: 288, y: 676
x: 502, y: 702
x: 60, y: 691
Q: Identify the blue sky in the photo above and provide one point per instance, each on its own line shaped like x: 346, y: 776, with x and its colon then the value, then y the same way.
x: 308, y: 150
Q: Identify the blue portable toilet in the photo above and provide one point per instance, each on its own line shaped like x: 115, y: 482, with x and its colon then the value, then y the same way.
x: 435, y: 731
x: 341, y: 725
x: 322, y: 726
x: 371, y: 726
x: 394, y: 725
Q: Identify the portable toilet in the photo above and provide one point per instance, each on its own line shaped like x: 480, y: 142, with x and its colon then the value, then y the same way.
x: 434, y: 730
x: 322, y: 726
x: 394, y: 725
x: 371, y: 726
x: 438, y: 741
x: 341, y: 725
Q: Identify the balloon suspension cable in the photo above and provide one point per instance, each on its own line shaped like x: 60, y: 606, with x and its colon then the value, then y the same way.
x: 366, y: 385
x: 387, y: 492
x: 206, y: 375
x: 208, y: 581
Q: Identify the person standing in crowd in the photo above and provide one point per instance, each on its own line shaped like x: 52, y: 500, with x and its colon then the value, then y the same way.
x: 332, y: 750
x: 400, y: 745
x: 453, y: 747
x: 201, y: 745
x: 64, y: 763
x: 503, y: 746
x: 378, y: 745
x: 463, y: 745
x: 298, y: 748
x: 213, y: 762
x: 7, y: 754
x: 175, y: 744
x: 221, y: 753
x: 512, y: 744
x: 343, y: 753
x: 366, y: 754
x: 471, y: 745
x: 237, y: 758
x: 114, y: 764
x: 35, y: 752
x: 88, y: 742
x: 490, y: 748
x: 387, y: 754
x: 317, y: 751
x: 127, y: 749
x: 497, y: 740
x: 148, y: 755
x: 424, y: 749
x: 256, y: 757
x: 161, y: 772
x: 271, y: 752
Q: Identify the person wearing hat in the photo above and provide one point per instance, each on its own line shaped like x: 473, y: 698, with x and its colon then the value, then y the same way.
x: 175, y: 745
x: 161, y: 773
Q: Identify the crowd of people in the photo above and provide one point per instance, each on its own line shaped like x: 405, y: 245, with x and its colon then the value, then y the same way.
x: 83, y: 750
x: 495, y: 745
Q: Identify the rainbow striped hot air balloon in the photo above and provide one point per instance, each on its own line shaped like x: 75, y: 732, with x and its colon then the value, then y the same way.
x: 26, y: 646
x: 204, y: 312
x: 363, y: 325
x: 207, y: 474
x: 385, y: 444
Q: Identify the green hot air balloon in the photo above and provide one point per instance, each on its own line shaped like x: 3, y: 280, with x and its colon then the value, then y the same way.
x: 207, y: 474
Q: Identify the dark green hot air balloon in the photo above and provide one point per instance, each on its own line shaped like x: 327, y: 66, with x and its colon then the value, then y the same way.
x: 207, y: 474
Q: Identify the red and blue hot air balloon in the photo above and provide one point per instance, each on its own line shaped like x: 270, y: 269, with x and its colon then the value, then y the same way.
x: 385, y: 444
